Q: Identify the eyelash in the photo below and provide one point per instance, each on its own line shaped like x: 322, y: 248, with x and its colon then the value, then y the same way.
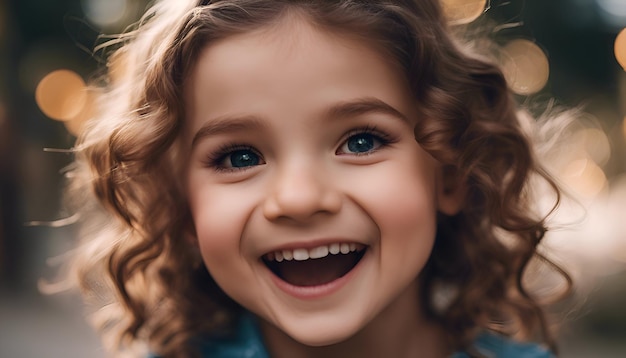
x: 216, y: 159
x: 383, y: 138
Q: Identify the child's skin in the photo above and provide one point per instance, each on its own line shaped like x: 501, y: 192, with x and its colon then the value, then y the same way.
x: 318, y: 131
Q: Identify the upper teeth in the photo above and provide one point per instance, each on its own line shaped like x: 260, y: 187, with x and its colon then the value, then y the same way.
x: 314, y: 253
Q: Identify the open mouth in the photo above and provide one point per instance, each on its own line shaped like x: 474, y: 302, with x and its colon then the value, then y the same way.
x: 316, y: 266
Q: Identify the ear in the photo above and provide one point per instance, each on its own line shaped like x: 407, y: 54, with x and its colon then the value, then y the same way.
x: 451, y: 190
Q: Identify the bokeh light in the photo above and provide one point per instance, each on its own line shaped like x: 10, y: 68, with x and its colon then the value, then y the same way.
x: 585, y: 177
x: 460, y: 12
x: 525, y: 66
x: 105, y: 12
x: 615, y: 7
x: 620, y: 48
x: 582, y: 159
x: 595, y: 143
x: 61, y: 95
x: 75, y: 125
x: 612, y: 11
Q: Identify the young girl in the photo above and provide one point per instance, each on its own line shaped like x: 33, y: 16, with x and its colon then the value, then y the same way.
x: 308, y: 179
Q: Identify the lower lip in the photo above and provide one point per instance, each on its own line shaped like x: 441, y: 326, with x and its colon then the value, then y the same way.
x: 316, y: 292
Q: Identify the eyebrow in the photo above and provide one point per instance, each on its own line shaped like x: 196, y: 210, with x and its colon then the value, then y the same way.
x: 226, y: 124
x: 352, y: 108
x: 362, y: 106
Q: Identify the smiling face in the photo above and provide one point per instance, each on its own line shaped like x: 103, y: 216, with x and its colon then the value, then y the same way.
x: 314, y: 206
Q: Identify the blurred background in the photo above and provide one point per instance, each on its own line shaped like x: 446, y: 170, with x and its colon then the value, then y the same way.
x: 565, y: 50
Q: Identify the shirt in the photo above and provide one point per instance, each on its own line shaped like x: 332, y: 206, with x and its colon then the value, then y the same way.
x: 247, y: 343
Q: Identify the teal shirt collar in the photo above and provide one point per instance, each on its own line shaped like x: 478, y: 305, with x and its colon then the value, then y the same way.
x: 247, y: 343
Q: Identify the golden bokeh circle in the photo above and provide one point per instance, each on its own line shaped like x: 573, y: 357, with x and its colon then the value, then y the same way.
x: 525, y: 66
x: 620, y: 48
x: 76, y: 124
x: 75, y: 127
x: 595, y: 143
x: 61, y: 95
x: 585, y: 177
x: 460, y: 12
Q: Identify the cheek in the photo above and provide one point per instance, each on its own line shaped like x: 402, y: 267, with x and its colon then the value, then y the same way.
x: 219, y: 217
x: 403, y: 208
x: 407, y: 226
x: 400, y: 195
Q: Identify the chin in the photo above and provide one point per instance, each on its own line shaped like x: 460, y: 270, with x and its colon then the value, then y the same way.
x: 323, y: 339
x: 322, y: 334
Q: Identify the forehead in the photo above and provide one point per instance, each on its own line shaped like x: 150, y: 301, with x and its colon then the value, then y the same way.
x: 281, y: 59
x: 294, y: 29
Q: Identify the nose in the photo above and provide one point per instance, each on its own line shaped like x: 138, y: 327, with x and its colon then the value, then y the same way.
x: 300, y: 192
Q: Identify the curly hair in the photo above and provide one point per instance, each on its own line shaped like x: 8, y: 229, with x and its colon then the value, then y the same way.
x: 136, y: 259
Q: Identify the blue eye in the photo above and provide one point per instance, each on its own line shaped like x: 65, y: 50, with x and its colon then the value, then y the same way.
x: 241, y: 158
x: 234, y: 157
x: 363, y: 142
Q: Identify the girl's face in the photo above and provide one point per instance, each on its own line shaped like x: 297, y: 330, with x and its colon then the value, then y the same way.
x: 313, y: 204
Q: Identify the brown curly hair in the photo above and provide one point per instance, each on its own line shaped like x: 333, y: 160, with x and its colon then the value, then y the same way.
x: 136, y: 260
